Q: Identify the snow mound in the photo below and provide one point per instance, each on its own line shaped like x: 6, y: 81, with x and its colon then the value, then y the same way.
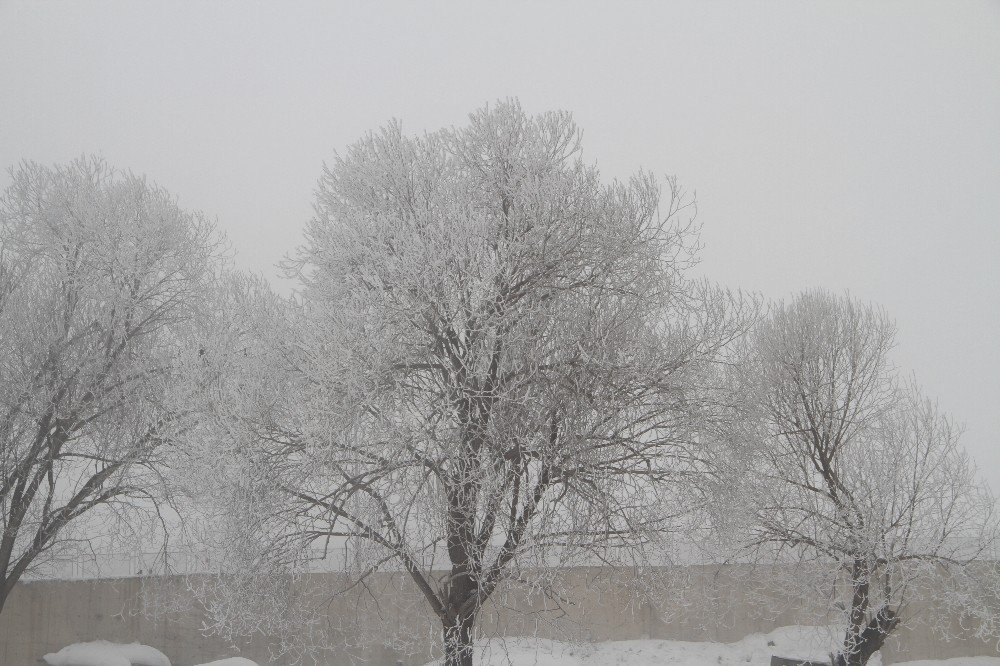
x: 105, y: 653
x: 231, y: 661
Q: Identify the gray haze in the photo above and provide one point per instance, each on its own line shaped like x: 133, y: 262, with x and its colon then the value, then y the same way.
x: 850, y: 145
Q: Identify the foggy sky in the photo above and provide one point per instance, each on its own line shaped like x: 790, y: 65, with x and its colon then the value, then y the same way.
x: 854, y: 146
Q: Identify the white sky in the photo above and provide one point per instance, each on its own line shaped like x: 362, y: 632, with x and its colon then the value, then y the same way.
x: 849, y: 145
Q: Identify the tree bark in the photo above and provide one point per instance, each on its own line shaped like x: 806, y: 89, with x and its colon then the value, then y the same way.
x: 851, y: 654
x: 864, y: 636
x: 874, y: 635
x: 458, y: 647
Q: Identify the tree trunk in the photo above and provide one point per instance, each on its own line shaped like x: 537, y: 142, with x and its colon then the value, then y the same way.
x: 458, y: 647
x: 851, y: 654
x: 869, y: 640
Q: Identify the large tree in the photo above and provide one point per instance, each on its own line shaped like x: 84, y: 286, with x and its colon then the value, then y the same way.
x: 495, y: 363
x: 832, y: 461
x: 101, y: 278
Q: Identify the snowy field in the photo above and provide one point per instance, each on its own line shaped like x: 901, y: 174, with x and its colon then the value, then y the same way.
x: 754, y: 650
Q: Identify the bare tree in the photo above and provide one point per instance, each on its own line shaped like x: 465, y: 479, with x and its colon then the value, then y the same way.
x: 494, y: 365
x: 837, y: 463
x: 100, y: 276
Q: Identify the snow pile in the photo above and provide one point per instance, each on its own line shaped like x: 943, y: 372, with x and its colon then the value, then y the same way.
x: 105, y: 653
x: 232, y: 661
x: 802, y: 642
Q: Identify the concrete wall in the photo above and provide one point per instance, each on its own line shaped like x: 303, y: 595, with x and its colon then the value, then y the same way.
x: 387, y: 622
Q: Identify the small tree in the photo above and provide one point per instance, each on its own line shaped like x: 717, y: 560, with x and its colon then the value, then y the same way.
x: 494, y: 366
x: 836, y: 462
x: 100, y: 276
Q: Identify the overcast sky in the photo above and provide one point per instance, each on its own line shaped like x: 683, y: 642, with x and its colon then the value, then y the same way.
x: 854, y: 146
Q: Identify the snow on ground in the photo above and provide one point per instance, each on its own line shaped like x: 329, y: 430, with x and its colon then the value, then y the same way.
x: 753, y: 650
x: 801, y: 642
x: 956, y: 661
x: 105, y: 653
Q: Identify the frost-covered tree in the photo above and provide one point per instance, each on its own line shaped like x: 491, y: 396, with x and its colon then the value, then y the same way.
x: 494, y: 365
x: 832, y: 461
x: 101, y: 277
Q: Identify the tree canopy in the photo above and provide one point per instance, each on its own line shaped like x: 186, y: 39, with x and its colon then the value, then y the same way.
x: 102, y: 277
x: 831, y: 458
x: 495, y: 362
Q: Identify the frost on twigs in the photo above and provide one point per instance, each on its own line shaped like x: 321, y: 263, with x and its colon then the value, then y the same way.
x: 103, y: 280
x: 834, y: 469
x: 493, y: 371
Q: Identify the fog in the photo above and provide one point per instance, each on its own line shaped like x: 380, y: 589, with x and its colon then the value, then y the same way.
x: 854, y: 146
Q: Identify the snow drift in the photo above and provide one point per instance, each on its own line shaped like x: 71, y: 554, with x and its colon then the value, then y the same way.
x: 106, y: 653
